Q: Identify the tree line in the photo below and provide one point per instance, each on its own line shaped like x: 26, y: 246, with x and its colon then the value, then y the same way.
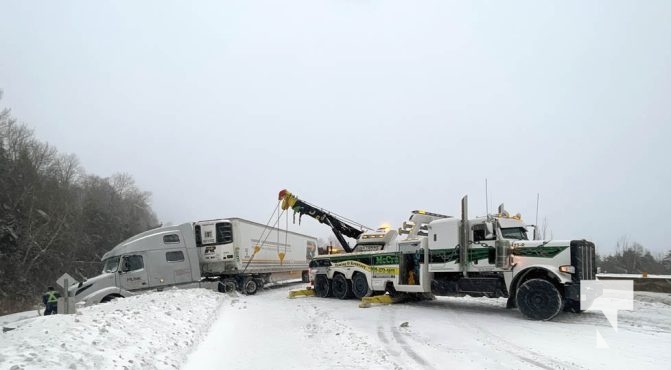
x: 631, y: 257
x: 56, y: 218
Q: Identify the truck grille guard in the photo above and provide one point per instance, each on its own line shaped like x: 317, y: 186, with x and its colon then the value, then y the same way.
x: 583, y: 258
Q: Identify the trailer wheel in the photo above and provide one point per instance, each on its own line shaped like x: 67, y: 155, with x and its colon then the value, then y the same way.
x: 539, y: 299
x: 322, y: 286
x: 226, y: 286
x: 360, y: 286
x: 259, y: 283
x: 249, y: 287
x: 342, y: 288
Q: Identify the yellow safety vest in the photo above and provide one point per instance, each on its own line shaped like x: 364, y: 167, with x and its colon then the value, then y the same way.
x: 52, y: 297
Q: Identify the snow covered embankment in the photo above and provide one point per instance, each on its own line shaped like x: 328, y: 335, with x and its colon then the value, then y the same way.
x: 149, y: 331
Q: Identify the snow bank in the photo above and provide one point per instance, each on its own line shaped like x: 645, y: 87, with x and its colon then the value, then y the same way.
x: 149, y: 331
x: 200, y: 329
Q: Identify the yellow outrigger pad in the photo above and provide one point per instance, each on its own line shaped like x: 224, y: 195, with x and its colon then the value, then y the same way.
x: 301, y: 292
x: 380, y: 299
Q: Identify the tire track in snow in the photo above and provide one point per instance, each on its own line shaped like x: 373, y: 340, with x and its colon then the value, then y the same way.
x: 400, y: 342
x: 497, y: 342
x: 323, y: 324
x: 521, y: 353
x: 404, y: 345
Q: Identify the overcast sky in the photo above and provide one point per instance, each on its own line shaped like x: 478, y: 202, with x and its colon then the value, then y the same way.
x: 367, y: 108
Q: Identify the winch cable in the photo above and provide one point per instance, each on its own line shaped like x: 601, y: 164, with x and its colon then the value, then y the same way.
x: 286, y: 236
x: 263, y: 240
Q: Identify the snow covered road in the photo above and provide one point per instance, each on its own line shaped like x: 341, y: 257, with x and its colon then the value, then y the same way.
x: 199, y: 329
x: 271, y: 331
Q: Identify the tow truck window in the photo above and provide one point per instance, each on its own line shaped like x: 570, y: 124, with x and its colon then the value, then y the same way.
x: 518, y: 233
x: 111, y: 264
x: 224, y: 233
x: 480, y: 233
x: 132, y: 263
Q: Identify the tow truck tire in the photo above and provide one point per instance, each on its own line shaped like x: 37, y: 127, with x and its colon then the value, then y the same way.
x: 360, y: 286
x: 322, y: 286
x: 539, y: 299
x: 572, y: 306
x: 249, y: 286
x: 342, y: 288
x: 305, y: 277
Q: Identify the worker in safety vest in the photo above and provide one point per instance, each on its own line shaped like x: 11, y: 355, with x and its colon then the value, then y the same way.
x: 50, y: 300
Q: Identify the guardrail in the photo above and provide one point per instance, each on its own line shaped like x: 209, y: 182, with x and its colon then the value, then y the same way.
x: 643, y: 282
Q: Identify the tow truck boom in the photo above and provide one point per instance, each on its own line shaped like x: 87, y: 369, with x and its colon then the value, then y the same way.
x: 339, y: 225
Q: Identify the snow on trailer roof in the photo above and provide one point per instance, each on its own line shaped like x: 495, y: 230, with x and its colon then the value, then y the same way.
x: 254, y: 223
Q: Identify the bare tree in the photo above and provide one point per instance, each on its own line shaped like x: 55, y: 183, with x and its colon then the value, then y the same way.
x: 54, y: 218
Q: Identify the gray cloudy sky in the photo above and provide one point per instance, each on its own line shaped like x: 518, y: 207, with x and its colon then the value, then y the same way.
x: 367, y: 108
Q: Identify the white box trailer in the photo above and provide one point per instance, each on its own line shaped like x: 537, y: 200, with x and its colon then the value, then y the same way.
x: 180, y: 256
x: 234, y: 247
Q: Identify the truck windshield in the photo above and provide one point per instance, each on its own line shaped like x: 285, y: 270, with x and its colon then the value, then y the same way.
x: 111, y: 264
x: 518, y: 233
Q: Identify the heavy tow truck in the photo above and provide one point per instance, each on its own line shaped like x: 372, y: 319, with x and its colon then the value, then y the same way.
x: 489, y: 256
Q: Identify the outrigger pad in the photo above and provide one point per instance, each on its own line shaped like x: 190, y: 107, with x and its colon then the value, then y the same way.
x: 380, y: 299
x: 301, y: 292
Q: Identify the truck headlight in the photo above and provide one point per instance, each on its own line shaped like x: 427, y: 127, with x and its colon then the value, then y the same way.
x: 567, y: 269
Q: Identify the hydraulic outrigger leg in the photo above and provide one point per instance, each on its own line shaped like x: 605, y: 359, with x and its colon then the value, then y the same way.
x: 301, y: 292
x: 382, y: 299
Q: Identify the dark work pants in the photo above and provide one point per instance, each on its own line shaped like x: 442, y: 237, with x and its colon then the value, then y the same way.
x: 51, y: 309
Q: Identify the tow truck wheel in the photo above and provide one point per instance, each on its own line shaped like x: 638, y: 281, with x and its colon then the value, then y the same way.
x: 250, y: 287
x: 360, y: 286
x: 539, y: 299
x: 322, y: 286
x: 342, y: 288
x: 305, y: 277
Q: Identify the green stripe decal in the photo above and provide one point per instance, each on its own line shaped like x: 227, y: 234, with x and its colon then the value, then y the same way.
x: 444, y: 255
x: 368, y: 259
x: 476, y: 254
x: 541, y: 252
x: 452, y: 255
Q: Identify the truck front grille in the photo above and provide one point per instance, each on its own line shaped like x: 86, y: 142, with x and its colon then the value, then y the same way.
x: 583, y: 258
